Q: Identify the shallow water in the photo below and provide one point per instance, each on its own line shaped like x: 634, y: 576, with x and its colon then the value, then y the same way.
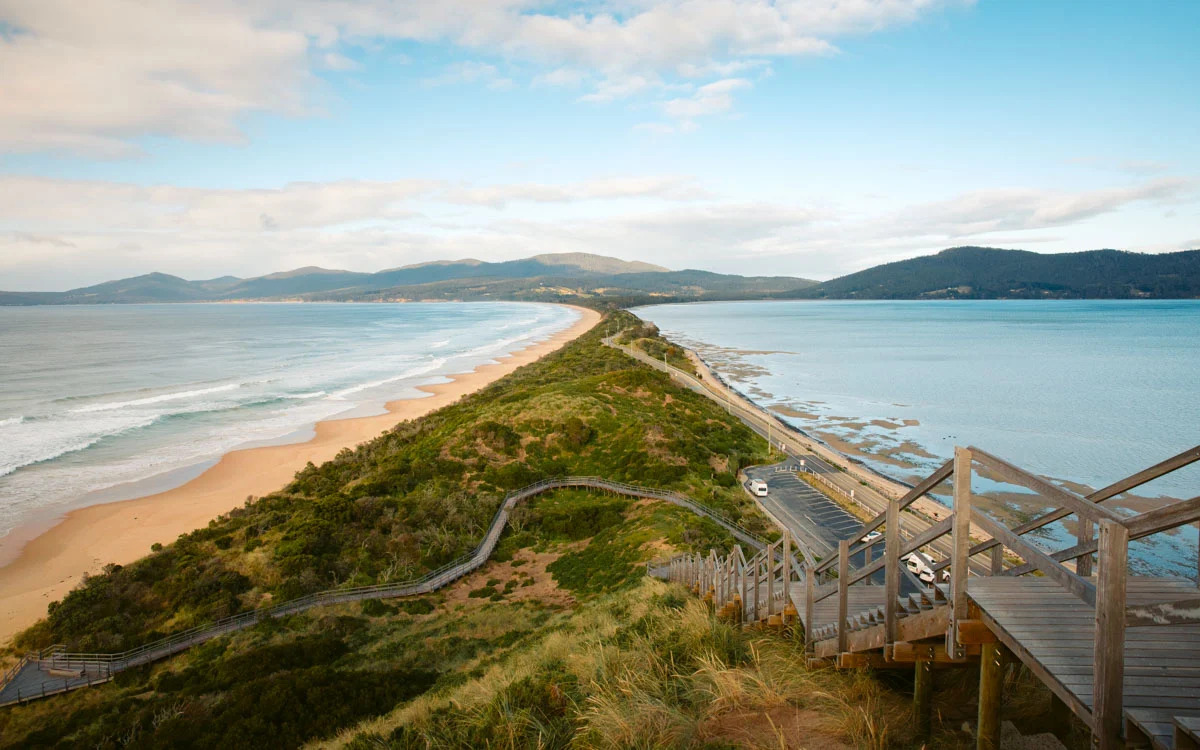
x: 1085, y: 391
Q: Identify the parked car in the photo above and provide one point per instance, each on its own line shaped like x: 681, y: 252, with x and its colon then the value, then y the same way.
x: 920, y: 566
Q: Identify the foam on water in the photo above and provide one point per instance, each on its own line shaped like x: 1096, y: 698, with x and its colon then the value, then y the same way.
x: 100, y: 396
x: 424, y: 369
x: 109, y: 406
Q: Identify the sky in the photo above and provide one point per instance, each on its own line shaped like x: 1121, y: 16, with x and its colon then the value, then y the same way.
x: 799, y: 137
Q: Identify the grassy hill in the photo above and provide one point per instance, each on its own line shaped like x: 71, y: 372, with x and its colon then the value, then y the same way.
x: 988, y: 273
x: 575, y: 277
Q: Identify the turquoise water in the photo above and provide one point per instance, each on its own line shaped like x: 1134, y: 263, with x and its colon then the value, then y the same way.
x: 97, y: 397
x: 1085, y: 391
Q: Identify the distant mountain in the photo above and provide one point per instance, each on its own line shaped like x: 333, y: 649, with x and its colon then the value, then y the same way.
x: 564, y: 276
x: 611, y: 290
x: 596, y: 263
x: 989, y: 273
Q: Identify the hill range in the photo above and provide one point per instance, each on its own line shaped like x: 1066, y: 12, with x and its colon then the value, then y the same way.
x: 989, y: 273
x: 956, y: 273
x: 558, y: 277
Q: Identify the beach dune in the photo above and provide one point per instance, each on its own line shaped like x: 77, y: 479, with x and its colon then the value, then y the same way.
x: 86, y: 540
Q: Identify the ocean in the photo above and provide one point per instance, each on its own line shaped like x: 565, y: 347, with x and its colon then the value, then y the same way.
x: 1081, y: 391
x: 99, y: 400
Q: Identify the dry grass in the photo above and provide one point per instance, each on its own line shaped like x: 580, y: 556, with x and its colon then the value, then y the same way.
x: 649, y: 668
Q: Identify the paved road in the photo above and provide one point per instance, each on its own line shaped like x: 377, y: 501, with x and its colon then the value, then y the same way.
x: 811, y: 516
x: 817, y: 522
x: 795, y: 447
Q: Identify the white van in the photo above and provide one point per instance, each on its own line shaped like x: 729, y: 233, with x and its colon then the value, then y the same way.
x: 759, y: 488
x: 920, y: 566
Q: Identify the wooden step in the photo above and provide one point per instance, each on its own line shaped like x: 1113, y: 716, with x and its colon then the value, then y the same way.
x: 1187, y: 732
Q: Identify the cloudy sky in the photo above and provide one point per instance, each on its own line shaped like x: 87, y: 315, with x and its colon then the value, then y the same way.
x: 805, y: 137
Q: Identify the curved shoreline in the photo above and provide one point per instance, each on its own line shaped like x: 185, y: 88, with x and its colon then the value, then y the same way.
x: 86, y: 539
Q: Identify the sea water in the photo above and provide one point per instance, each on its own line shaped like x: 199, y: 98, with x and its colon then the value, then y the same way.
x: 1081, y: 391
x: 96, y: 399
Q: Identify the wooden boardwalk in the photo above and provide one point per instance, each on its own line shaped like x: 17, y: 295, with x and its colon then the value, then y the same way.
x: 1121, y: 651
x: 1052, y: 631
x: 54, y: 670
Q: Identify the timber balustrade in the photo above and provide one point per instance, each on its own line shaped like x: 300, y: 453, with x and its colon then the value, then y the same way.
x: 1121, y: 650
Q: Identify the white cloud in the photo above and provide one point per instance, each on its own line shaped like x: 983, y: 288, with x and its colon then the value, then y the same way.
x: 335, y: 61
x: 89, y: 76
x: 620, y: 87
x: 564, y: 77
x: 36, y: 204
x: 671, y: 188
x: 709, y: 99
x: 656, y: 128
x: 1006, y: 210
x: 78, y: 204
x: 472, y: 72
x: 94, y: 76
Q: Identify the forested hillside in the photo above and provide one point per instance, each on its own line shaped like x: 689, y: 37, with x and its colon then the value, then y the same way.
x: 574, y: 277
x: 988, y: 273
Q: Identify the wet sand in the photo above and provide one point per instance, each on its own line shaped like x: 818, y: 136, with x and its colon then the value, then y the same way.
x: 52, y: 563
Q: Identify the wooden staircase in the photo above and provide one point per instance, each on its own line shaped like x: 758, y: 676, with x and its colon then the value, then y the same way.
x: 1121, y: 651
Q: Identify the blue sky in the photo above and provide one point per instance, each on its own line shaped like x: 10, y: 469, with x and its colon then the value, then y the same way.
x: 805, y: 138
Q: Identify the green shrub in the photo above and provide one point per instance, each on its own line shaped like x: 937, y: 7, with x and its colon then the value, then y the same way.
x: 377, y: 608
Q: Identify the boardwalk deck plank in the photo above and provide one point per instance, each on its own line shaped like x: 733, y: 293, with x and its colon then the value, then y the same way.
x: 1055, y: 628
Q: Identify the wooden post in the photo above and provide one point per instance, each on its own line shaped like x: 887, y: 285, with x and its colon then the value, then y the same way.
x: 1109, y: 655
x: 757, y: 589
x: 991, y: 683
x: 1060, y: 718
x: 997, y: 560
x: 891, y: 573
x: 809, y: 585
x: 787, y: 571
x: 923, y: 696
x: 722, y: 579
x: 770, y: 579
x: 745, y: 591
x: 843, y: 591
x: 960, y: 557
x: 1083, y: 565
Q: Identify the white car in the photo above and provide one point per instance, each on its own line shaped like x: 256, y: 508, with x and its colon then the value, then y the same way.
x: 920, y: 566
x: 759, y: 488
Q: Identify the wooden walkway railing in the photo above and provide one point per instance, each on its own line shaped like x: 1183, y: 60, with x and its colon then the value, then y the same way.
x: 29, y: 679
x: 1121, y: 650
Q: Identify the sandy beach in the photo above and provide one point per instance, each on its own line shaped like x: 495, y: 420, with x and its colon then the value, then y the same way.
x: 86, y: 540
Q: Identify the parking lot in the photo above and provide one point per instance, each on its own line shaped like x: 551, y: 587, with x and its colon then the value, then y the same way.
x: 811, y: 516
